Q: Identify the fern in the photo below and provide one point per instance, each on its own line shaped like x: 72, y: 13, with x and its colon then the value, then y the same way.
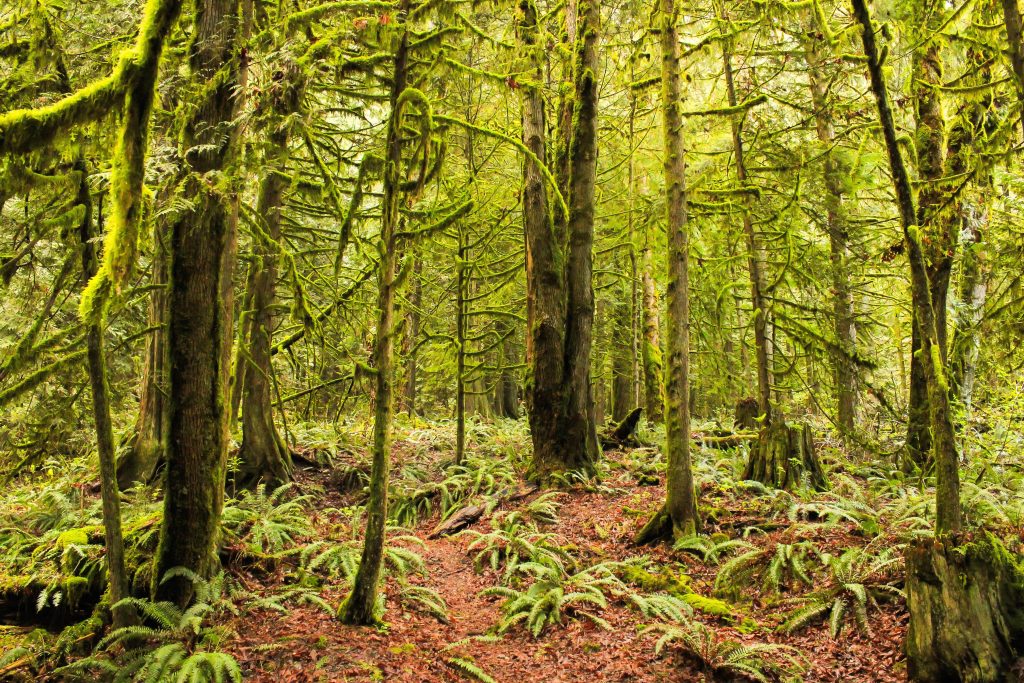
x: 723, y: 658
x: 470, y: 669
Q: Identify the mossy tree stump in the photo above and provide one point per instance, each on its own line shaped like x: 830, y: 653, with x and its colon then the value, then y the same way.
x: 783, y: 456
x: 747, y: 412
x: 966, y: 606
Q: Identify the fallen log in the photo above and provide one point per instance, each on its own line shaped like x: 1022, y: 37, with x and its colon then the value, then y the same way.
x: 623, y: 435
x: 469, y: 514
x: 724, y: 441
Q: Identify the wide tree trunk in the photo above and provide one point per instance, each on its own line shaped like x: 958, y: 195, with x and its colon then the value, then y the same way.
x: 966, y: 603
x: 200, y: 325
x: 784, y: 457
x: 264, y: 456
x: 678, y: 518
x: 562, y: 421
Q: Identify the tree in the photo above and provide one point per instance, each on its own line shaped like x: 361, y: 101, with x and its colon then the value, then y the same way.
x: 678, y: 518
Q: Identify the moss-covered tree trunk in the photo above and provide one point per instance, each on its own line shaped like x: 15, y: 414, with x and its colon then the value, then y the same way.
x: 148, y: 448
x: 117, y: 577
x: 412, y: 334
x: 944, y: 446
x: 784, y: 457
x: 360, y: 607
x: 579, y: 445
x: 560, y: 297
x: 650, y: 350
x: 622, y: 359
x: 937, y: 221
x: 201, y: 298
x: 678, y: 518
x: 263, y: 454
x: 837, y: 227
x: 966, y: 603
x: 755, y: 250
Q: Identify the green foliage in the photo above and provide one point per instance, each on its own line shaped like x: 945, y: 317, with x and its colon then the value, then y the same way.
x: 510, y: 543
x: 856, y: 580
x: 265, y: 526
x: 729, y: 658
x: 173, y: 644
x: 552, y: 594
x: 777, y: 568
x: 470, y: 669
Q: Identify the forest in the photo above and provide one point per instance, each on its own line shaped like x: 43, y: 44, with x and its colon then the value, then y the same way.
x: 512, y: 340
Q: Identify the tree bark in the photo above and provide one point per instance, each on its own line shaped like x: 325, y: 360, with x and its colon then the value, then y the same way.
x: 200, y: 327
x: 264, y: 456
x: 360, y: 606
x: 117, y: 577
x: 948, y: 510
x: 651, y: 346
x: 755, y: 250
x: 149, y: 445
x: 679, y: 517
x: 837, y: 227
x: 967, y: 621
x: 562, y: 421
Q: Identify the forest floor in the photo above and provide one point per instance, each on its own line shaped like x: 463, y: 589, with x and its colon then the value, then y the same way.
x: 306, y: 643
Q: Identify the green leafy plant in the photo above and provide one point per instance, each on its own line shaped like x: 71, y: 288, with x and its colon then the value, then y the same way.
x: 263, y: 526
x: 172, y: 643
x: 777, y: 568
x: 858, y: 579
x: 552, y: 594
x: 725, y: 659
x: 510, y: 542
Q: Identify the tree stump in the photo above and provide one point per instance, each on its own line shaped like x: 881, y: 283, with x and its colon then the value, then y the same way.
x: 966, y: 606
x: 782, y: 456
x: 747, y: 412
x: 623, y: 434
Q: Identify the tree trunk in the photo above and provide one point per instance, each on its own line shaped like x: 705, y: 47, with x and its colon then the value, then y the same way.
x: 755, y: 250
x: 412, y: 336
x: 747, y: 412
x: 966, y: 606
x: 360, y: 608
x: 622, y: 365
x: 507, y: 393
x: 836, y: 225
x: 201, y: 298
x: 148, y: 448
x: 264, y: 456
x: 679, y: 517
x: 579, y: 440
x: 561, y: 297
x: 966, y: 342
x: 784, y: 456
x: 947, y: 474
x: 936, y: 217
x: 117, y: 577
x: 651, y: 346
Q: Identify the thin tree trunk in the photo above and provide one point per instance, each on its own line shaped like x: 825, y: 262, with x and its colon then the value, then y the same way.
x: 117, y: 577
x: 149, y: 445
x: 755, y: 251
x: 966, y: 343
x: 679, y: 516
x: 360, y: 606
x: 836, y: 225
x: 264, y: 456
x: 948, y: 510
x: 412, y: 337
x: 936, y: 216
x: 461, y: 295
x: 651, y: 350
x: 622, y: 367
x: 201, y: 299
